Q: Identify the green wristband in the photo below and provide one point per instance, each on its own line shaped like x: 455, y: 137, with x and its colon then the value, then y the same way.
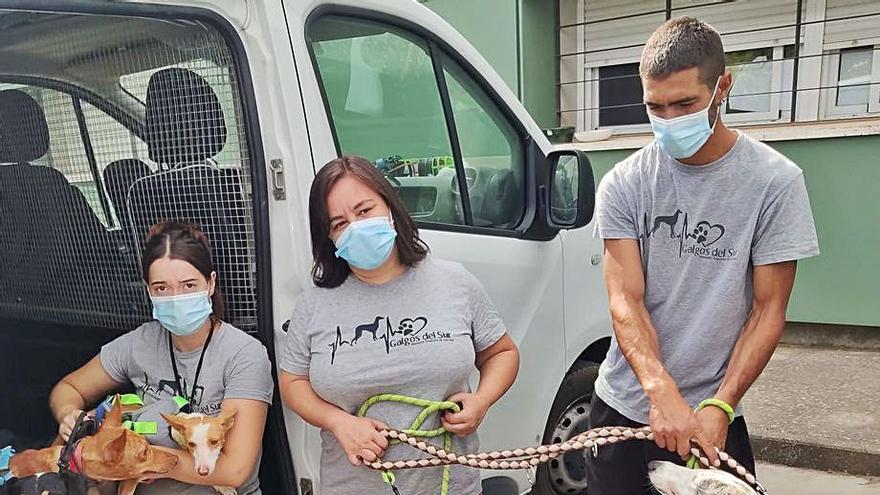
x: 720, y: 404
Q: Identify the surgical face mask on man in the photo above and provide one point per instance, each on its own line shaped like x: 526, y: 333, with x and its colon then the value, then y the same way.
x: 182, y: 314
x: 366, y: 244
x: 682, y: 137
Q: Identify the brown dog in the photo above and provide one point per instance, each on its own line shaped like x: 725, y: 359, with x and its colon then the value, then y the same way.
x: 115, y: 453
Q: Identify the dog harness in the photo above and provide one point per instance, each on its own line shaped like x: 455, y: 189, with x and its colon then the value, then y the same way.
x: 159, y: 431
x: 147, y: 420
x: 74, y: 462
x: 85, y: 426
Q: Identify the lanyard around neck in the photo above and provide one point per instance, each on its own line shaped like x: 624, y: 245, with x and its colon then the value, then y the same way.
x: 180, y: 389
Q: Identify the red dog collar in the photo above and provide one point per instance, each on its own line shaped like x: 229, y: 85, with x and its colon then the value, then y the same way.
x: 75, y: 462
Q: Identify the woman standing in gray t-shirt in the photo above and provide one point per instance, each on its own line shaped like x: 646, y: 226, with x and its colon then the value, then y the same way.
x: 387, y: 319
x: 188, y: 352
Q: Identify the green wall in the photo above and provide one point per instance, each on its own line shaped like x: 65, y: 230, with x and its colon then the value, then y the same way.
x: 518, y: 38
x: 540, y: 71
x: 843, y: 179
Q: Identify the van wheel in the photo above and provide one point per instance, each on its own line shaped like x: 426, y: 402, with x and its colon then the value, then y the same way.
x: 568, y: 417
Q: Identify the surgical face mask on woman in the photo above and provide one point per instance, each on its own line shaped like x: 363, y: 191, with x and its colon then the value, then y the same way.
x: 182, y: 314
x: 682, y: 137
x: 366, y: 244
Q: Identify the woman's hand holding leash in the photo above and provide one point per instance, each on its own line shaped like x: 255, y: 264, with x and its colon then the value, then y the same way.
x: 68, y: 420
x: 360, y: 438
x: 465, y: 422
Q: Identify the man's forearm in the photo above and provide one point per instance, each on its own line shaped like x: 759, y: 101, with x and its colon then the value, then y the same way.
x: 638, y: 343
x: 753, y: 350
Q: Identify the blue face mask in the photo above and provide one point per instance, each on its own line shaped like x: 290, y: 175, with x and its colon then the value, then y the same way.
x: 182, y: 315
x: 366, y: 244
x: 682, y: 137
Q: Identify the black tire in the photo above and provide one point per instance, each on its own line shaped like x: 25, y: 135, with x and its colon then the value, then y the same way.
x: 568, y: 417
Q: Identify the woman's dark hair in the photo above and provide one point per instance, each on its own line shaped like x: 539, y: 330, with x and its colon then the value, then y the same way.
x: 330, y: 271
x: 182, y: 241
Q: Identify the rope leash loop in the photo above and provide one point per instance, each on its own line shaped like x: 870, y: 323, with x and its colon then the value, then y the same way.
x: 429, y: 407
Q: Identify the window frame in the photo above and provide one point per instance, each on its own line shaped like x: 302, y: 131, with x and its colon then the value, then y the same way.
x: 437, y: 46
x: 775, y: 113
x: 816, y: 87
x: 777, y: 91
x: 118, y: 114
x: 596, y: 95
x: 830, y: 110
x: 591, y: 99
x: 77, y: 95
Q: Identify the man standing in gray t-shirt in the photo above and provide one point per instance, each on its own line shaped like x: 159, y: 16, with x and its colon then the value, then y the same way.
x: 702, y: 230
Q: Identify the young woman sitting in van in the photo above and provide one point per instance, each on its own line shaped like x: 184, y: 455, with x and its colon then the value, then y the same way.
x: 189, y: 352
x: 385, y: 318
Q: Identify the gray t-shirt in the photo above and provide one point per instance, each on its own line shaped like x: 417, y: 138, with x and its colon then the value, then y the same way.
x: 416, y: 335
x: 701, y: 229
x: 236, y: 366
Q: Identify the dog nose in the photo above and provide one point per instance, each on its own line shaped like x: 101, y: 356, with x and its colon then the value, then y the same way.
x: 203, y: 470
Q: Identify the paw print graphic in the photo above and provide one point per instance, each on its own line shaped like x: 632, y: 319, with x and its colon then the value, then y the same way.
x: 406, y: 326
x: 701, y: 232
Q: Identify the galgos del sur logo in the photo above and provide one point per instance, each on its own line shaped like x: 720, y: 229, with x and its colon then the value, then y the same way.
x: 382, y: 329
x: 701, y: 240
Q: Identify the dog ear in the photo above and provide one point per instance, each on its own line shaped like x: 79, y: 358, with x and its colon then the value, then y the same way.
x: 114, y: 417
x: 114, y: 448
x: 228, y: 417
x: 175, y: 421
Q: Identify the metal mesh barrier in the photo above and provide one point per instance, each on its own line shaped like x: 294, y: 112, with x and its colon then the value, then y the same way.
x: 109, y: 124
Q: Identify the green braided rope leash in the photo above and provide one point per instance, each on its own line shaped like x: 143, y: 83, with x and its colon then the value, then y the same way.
x: 429, y: 407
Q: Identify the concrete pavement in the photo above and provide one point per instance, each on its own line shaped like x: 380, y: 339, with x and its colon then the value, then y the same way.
x: 783, y: 480
x: 819, y: 408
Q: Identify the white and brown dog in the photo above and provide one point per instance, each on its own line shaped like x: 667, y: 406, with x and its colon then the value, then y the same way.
x: 203, y: 437
x: 671, y: 479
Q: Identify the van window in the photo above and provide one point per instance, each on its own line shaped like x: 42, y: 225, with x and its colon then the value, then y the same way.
x: 66, y: 150
x: 111, y: 141
x: 385, y: 100
x: 491, y: 150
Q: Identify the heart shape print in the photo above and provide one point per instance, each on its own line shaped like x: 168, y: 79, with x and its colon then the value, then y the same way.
x: 707, y: 234
x: 412, y: 326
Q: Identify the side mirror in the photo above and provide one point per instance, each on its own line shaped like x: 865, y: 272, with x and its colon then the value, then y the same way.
x: 572, y: 191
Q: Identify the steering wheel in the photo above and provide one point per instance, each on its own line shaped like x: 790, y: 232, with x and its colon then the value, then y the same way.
x: 395, y: 182
x: 386, y: 166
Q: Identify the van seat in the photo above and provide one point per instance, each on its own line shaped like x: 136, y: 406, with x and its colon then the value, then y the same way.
x: 54, y: 248
x: 185, y: 130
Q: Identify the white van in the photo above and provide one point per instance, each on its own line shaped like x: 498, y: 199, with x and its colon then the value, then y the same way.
x: 114, y: 115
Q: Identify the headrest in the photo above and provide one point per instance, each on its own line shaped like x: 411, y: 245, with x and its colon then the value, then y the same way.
x: 184, y: 119
x: 118, y: 178
x: 24, y: 134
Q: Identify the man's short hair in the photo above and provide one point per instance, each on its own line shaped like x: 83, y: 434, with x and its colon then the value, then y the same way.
x: 680, y: 44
